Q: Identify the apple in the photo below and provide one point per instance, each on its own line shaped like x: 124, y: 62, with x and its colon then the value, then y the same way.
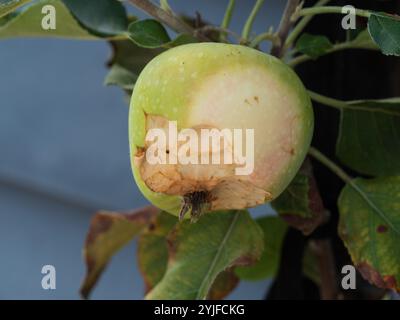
x: 225, y: 89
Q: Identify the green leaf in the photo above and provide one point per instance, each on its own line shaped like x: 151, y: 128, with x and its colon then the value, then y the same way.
x: 121, y: 77
x: 108, y: 233
x: 180, y: 40
x: 294, y: 199
x: 148, y: 33
x: 151, y: 34
x: 126, y: 63
x: 199, y: 252
x: 103, y: 17
x: 28, y: 23
x: 274, y: 229
x: 300, y: 204
x: 153, y: 257
x: 363, y: 40
x: 370, y: 228
x: 313, y: 45
x: 385, y: 31
x: 129, y: 56
x: 7, y: 6
x: 369, y: 134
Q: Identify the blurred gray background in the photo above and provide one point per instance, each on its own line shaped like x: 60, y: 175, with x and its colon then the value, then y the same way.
x: 64, y: 154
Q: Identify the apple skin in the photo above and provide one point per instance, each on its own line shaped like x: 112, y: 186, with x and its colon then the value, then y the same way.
x: 226, y: 86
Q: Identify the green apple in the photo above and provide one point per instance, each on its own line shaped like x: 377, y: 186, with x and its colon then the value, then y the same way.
x: 224, y: 87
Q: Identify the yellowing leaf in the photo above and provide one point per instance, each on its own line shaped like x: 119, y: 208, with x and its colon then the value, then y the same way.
x: 109, y: 232
x: 370, y: 228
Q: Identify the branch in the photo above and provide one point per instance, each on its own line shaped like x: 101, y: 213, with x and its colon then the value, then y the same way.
x: 284, y: 27
x: 166, y: 18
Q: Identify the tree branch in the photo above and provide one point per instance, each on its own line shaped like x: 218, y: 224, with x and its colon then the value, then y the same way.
x: 284, y: 27
x: 167, y: 18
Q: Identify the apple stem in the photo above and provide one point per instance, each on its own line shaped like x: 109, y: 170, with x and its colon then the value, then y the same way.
x: 197, y: 202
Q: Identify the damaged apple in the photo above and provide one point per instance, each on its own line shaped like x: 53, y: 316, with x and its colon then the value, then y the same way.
x: 215, y: 126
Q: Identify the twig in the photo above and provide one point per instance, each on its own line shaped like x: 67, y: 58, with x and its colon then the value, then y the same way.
x: 227, y: 19
x: 327, y: 10
x: 269, y: 36
x: 167, y: 18
x: 284, y: 27
x: 352, y: 105
x: 316, y: 154
x: 336, y: 47
x: 250, y: 20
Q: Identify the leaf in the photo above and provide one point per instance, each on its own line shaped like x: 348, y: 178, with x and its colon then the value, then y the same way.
x: 130, y: 56
x: 369, y: 134
x: 224, y: 284
x: 148, y: 33
x: 385, y: 31
x: 126, y: 63
x: 181, y: 39
x: 199, y: 252
x: 108, y: 233
x: 153, y: 257
x: 121, y: 77
x: 103, y: 17
x: 313, y: 45
x: 363, y: 41
x: 300, y: 205
x: 89, y: 19
x: 274, y: 229
x: 370, y: 228
x: 151, y: 34
x: 7, y: 6
x: 28, y: 23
